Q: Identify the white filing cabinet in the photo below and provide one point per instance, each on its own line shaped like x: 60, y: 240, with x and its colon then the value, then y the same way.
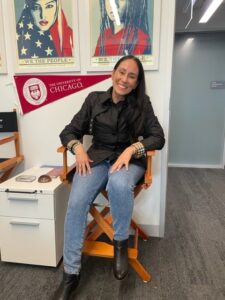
x: 32, y: 219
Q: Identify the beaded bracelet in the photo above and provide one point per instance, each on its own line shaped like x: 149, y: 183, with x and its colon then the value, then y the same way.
x: 140, y: 150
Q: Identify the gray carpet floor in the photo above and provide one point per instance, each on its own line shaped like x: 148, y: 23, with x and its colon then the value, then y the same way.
x: 189, y: 263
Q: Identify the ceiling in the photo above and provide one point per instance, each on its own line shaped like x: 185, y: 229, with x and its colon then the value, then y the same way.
x: 183, y: 11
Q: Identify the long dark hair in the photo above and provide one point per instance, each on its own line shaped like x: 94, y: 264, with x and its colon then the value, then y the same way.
x: 134, y: 18
x: 135, y: 115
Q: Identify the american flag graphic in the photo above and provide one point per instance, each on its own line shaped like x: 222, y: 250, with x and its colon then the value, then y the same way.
x: 33, y: 42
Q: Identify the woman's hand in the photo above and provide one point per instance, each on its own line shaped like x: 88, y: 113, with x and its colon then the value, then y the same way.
x: 82, y: 160
x: 123, y: 159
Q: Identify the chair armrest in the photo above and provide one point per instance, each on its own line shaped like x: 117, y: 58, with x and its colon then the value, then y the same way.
x: 62, y: 149
x: 148, y: 172
x: 66, y: 169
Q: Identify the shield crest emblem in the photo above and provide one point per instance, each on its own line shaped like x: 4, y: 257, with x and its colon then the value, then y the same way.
x: 35, y: 91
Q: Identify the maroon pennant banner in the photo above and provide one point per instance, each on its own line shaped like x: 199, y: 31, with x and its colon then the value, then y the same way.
x: 35, y: 91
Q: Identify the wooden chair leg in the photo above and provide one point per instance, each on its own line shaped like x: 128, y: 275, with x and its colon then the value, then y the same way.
x: 140, y: 270
x: 133, y: 259
x: 106, y: 227
x: 99, y: 249
x: 93, y: 226
x: 95, y: 234
x: 141, y: 233
x: 102, y: 249
x: 93, y: 223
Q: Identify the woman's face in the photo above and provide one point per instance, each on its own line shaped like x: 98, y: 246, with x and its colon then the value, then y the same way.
x: 44, y: 13
x: 125, y: 79
x: 121, y: 6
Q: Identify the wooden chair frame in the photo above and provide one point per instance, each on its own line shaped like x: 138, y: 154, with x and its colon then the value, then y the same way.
x: 102, y: 222
x: 7, y: 165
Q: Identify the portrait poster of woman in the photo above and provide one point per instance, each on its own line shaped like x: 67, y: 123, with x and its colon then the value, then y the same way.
x: 3, y: 67
x: 122, y: 27
x: 46, y: 35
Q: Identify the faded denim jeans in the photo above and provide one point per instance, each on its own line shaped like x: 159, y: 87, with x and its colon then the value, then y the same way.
x: 119, y: 185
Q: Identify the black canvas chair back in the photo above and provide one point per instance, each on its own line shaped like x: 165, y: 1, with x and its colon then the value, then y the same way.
x: 8, y: 122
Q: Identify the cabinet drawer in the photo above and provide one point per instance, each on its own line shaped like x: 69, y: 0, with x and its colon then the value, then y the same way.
x: 31, y: 205
x: 29, y: 241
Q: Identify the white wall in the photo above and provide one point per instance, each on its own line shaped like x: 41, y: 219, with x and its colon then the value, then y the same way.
x: 40, y: 128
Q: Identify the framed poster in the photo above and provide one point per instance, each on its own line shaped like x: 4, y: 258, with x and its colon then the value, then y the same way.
x: 3, y: 67
x: 118, y: 28
x: 46, y: 35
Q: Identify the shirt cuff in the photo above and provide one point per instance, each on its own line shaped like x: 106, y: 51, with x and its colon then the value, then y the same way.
x: 139, y: 150
x: 72, y: 144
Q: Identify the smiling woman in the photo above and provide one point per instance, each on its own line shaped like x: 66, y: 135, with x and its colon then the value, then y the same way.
x: 124, y: 79
x: 115, y: 161
x: 42, y: 30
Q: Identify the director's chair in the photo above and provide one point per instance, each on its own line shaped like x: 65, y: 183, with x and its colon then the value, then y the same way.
x: 102, y: 220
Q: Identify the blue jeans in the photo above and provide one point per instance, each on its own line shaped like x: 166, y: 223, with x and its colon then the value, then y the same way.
x: 84, y: 190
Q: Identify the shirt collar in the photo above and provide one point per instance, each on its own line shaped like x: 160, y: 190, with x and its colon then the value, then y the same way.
x: 107, y: 97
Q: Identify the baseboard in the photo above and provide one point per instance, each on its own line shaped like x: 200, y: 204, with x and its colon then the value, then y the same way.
x: 199, y: 166
x: 150, y: 230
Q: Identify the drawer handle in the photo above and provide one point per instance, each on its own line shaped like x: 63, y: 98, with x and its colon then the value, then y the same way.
x: 22, y: 199
x: 25, y: 223
x: 20, y: 192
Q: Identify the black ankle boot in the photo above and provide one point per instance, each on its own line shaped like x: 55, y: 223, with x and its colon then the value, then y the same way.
x: 67, y: 286
x: 120, y: 264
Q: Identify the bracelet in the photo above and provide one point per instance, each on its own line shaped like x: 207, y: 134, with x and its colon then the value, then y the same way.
x: 72, y: 144
x: 77, y: 143
x: 140, y: 150
x: 135, y: 149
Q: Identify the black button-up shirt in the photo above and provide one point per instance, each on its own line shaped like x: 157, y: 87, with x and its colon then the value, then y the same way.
x: 109, y: 125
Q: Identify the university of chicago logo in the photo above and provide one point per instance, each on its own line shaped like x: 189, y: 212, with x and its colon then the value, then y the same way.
x: 34, y: 91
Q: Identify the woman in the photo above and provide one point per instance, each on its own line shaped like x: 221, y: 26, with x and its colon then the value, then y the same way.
x: 127, y: 34
x: 42, y: 30
x: 115, y: 161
